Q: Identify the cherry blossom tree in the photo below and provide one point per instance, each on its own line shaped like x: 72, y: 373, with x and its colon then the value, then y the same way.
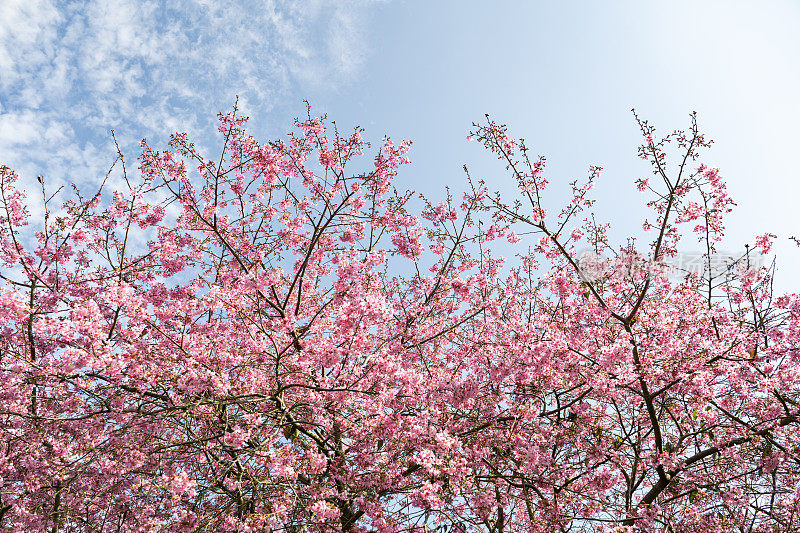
x: 270, y: 341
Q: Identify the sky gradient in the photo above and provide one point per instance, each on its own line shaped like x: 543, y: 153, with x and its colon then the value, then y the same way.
x: 564, y: 75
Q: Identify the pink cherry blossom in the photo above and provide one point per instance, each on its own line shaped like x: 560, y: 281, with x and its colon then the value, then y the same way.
x: 274, y: 340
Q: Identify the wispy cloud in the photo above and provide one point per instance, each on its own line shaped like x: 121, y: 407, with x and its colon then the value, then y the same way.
x: 72, y: 70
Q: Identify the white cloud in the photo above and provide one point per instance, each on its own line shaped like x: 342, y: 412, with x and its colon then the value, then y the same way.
x: 74, y: 69
x: 18, y: 128
x: 27, y: 28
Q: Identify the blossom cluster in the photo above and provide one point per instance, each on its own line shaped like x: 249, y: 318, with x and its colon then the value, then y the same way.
x: 270, y: 340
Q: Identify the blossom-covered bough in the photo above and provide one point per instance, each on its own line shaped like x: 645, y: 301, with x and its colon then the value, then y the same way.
x: 270, y: 341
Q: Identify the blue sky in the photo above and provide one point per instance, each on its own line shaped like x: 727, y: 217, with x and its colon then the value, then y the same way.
x: 562, y: 74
